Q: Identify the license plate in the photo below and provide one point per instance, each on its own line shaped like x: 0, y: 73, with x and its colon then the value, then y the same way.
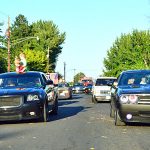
x: 107, y: 97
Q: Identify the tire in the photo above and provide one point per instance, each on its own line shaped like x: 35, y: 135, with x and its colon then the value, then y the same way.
x: 55, y: 108
x: 118, y: 121
x: 94, y: 100
x: 112, y: 112
x: 45, y: 113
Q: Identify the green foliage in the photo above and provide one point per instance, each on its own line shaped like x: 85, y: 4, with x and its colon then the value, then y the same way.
x: 36, y: 60
x: 3, y: 56
x: 130, y: 51
x: 78, y: 77
x: 3, y: 60
x: 50, y: 41
x: 23, y: 38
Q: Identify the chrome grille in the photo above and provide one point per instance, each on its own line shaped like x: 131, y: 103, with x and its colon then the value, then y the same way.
x: 13, y: 101
x: 104, y: 92
x: 144, y: 99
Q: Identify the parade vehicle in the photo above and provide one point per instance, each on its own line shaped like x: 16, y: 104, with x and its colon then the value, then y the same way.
x: 64, y: 91
x: 28, y: 95
x: 88, y: 89
x: 101, y: 91
x: 130, y: 100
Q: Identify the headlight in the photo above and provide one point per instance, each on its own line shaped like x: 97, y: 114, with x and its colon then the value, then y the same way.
x: 66, y: 91
x: 130, y: 99
x: 32, y: 97
x: 124, y: 99
x: 133, y: 99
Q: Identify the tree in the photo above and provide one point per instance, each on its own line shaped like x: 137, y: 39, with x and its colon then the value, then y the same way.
x: 78, y: 77
x: 48, y: 48
x: 43, y: 55
x: 50, y: 41
x: 19, y: 30
x: 3, y: 55
x: 36, y: 60
x: 130, y: 51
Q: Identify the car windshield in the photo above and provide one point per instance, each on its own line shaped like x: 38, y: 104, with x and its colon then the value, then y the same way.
x: 11, y: 82
x: 63, y: 85
x: 103, y: 81
x: 78, y: 84
x: 135, y: 78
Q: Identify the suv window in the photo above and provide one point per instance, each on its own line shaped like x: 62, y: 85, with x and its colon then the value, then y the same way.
x: 103, y: 81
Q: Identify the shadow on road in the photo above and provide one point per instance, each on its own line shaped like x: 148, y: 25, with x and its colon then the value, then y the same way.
x: 65, y: 112
x: 66, y: 102
x: 138, y: 124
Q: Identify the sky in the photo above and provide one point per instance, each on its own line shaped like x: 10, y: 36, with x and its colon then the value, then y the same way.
x: 91, y: 27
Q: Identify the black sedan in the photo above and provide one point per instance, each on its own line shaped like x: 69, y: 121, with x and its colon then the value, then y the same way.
x: 130, y: 98
x: 28, y: 95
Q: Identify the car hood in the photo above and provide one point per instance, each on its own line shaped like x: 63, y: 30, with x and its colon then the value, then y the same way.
x: 19, y: 91
x: 134, y: 89
x: 63, y: 88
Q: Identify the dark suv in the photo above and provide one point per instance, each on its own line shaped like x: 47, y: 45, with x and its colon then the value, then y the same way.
x: 28, y: 95
x: 130, y: 98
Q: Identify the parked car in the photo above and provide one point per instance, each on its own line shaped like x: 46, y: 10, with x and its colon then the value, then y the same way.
x: 26, y: 96
x: 101, y: 89
x: 88, y: 89
x: 130, y: 100
x: 78, y: 88
x: 64, y: 91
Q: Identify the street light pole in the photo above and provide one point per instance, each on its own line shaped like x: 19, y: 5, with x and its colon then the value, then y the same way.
x: 13, y: 43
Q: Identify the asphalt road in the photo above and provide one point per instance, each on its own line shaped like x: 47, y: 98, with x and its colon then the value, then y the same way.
x: 80, y: 125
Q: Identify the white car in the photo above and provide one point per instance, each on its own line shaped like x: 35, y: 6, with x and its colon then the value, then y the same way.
x: 101, y: 89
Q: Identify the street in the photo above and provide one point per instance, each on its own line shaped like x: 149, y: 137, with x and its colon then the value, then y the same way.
x: 79, y: 125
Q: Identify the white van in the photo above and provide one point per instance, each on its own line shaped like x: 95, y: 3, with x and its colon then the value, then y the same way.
x: 101, y: 90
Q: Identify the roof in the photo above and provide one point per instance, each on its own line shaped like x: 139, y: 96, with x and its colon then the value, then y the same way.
x: 19, y: 74
x: 137, y: 71
x: 106, y: 78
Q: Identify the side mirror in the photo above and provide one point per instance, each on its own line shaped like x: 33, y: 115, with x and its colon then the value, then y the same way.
x: 49, y: 82
x: 115, y: 84
x: 110, y: 83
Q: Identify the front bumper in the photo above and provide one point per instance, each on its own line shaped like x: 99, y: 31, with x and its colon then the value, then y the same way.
x: 78, y: 91
x: 31, y: 110
x: 134, y: 113
x: 102, y: 97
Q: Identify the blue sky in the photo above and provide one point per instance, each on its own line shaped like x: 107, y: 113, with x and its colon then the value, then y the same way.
x: 91, y: 27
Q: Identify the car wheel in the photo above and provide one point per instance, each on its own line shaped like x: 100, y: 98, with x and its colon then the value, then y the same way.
x: 45, y: 113
x: 55, y: 108
x: 94, y: 100
x: 118, y: 121
x: 112, y: 112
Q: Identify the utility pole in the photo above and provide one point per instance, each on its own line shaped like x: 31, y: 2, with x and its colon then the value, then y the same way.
x: 64, y: 71
x: 48, y: 60
x: 8, y: 43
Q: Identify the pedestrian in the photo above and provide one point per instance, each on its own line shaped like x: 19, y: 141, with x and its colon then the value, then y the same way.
x: 23, y: 63
x: 17, y: 64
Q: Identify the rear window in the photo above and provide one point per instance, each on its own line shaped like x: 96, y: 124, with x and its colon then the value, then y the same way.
x: 101, y: 82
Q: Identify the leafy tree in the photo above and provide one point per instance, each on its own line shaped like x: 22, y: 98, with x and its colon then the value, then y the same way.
x: 3, y: 55
x: 130, y: 51
x: 78, y: 77
x: 20, y: 29
x: 50, y: 41
x: 48, y: 48
x: 36, y: 59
